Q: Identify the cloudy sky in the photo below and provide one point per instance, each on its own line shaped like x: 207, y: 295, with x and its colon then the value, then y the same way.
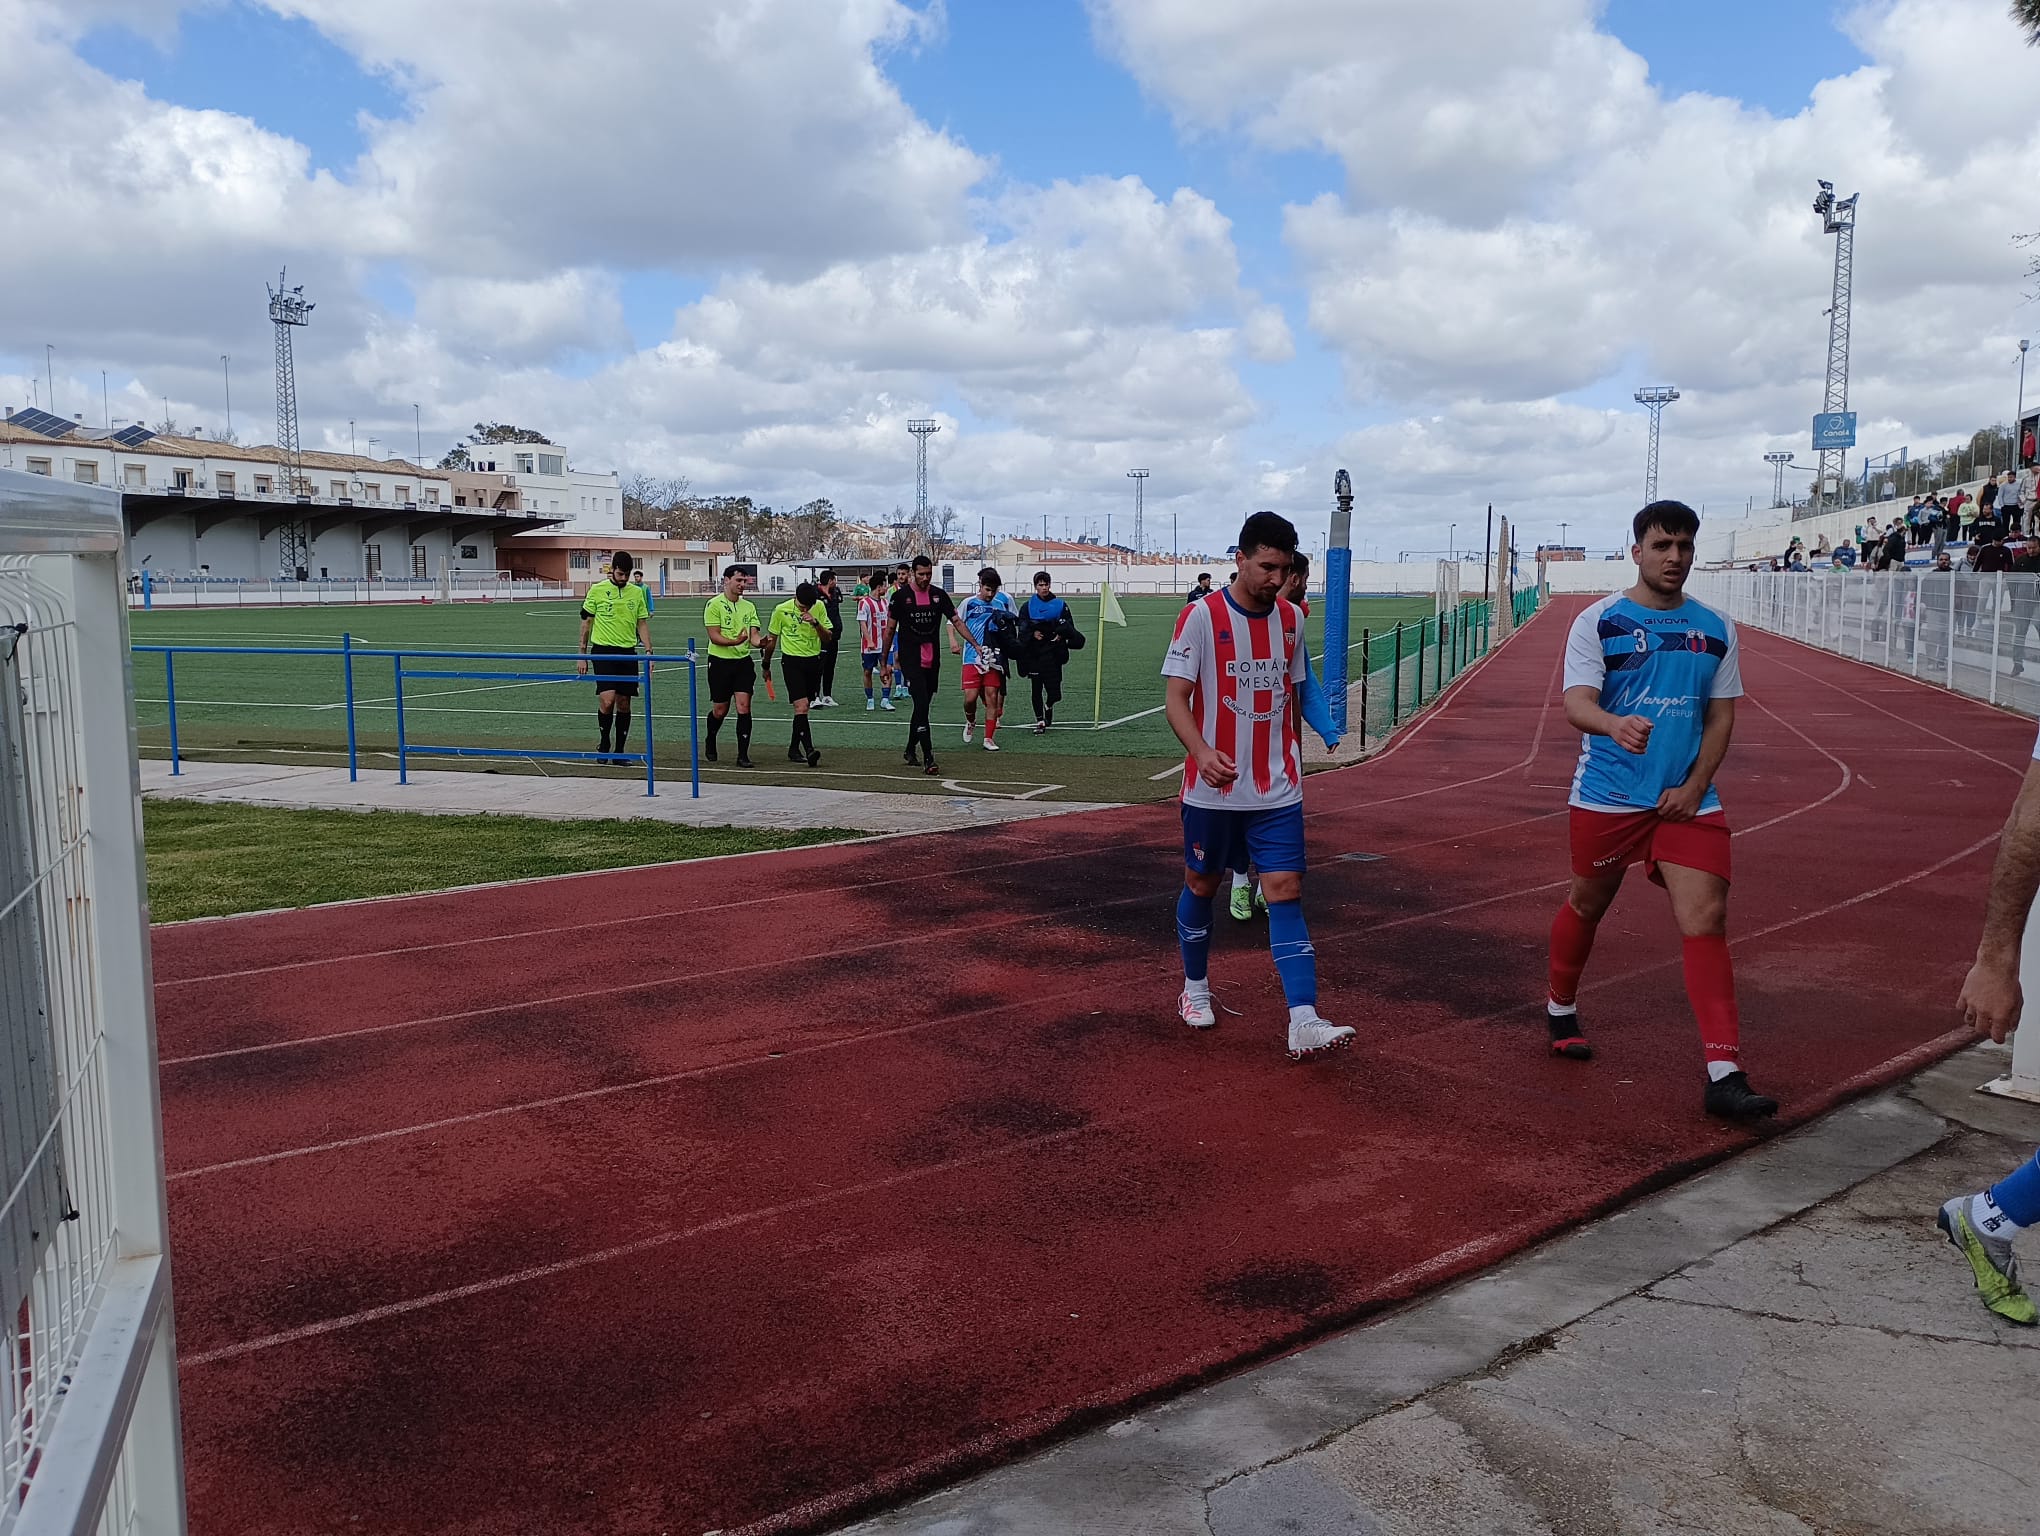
x: 1237, y: 242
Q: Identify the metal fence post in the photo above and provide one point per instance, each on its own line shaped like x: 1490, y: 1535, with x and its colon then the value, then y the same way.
x: 1919, y: 616
x: 347, y: 673
x: 1997, y: 630
x: 651, y: 772
x: 403, y: 764
x: 170, y: 696
x: 1953, y: 583
x: 1366, y: 664
x: 693, y: 721
x: 1395, y: 681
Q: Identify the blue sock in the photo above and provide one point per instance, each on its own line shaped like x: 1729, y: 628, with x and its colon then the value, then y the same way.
x: 867, y: 692
x: 2018, y: 1195
x: 1193, y: 932
x: 1295, y: 959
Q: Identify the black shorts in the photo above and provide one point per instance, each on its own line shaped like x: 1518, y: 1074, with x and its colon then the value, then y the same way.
x: 729, y: 676
x: 803, y: 676
x: 616, y: 669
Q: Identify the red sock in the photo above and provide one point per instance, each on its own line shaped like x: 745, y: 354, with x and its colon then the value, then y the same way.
x: 1710, y: 987
x: 991, y: 728
x: 1572, y: 940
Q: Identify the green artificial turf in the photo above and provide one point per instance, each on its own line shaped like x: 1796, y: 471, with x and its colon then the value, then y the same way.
x: 207, y: 859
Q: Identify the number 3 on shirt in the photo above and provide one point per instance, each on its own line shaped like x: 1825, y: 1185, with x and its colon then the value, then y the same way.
x: 1642, y: 642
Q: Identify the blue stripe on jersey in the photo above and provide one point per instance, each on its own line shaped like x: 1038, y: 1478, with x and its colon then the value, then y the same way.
x: 1662, y: 665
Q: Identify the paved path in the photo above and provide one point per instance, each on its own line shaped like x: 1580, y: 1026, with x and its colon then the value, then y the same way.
x: 590, y: 799
x: 1784, y: 1344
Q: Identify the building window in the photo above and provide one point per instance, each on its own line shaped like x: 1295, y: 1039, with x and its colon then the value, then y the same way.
x: 431, y: 495
x: 38, y: 466
x: 371, y: 561
x: 523, y: 463
x: 779, y: 583
x: 584, y: 503
x: 577, y: 559
x: 471, y: 552
x: 85, y: 472
x: 372, y: 491
x: 552, y: 464
x: 264, y: 485
x: 418, y: 561
x: 555, y: 505
x: 225, y: 481
x: 337, y: 489
x: 137, y: 475
x: 403, y: 493
x: 181, y: 478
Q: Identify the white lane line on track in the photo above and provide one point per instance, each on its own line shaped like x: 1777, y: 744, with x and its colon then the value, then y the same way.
x: 680, y: 1234
x: 607, y: 1090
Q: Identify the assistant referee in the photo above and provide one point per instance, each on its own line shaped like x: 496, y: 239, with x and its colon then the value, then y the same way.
x: 732, y: 621
x: 615, y: 617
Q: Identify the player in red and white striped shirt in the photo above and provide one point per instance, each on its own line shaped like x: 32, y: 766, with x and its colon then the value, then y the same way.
x: 1232, y: 671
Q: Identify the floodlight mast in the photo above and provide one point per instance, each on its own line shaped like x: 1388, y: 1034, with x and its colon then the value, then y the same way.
x: 288, y: 309
x: 922, y: 430
x: 1654, y: 398
x: 1139, y: 478
x: 1778, y: 461
x: 1837, y: 218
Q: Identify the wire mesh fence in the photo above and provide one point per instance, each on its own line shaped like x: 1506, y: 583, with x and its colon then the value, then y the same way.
x: 1404, y: 668
x: 1977, y: 633
x: 88, y: 1417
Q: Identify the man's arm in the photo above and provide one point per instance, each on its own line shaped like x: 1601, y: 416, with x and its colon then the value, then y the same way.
x: 1213, y: 766
x: 1583, y: 713
x: 1683, y: 802
x: 587, y: 624
x: 1991, y: 999
x: 644, y: 635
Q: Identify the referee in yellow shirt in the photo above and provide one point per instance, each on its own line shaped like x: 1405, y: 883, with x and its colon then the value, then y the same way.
x: 801, y: 630
x: 615, y: 616
x: 732, y: 621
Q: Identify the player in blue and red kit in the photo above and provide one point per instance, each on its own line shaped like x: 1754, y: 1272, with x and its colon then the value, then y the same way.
x: 1651, y: 680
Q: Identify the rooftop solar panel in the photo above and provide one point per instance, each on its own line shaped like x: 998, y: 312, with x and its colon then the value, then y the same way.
x: 45, y: 422
x: 133, y: 437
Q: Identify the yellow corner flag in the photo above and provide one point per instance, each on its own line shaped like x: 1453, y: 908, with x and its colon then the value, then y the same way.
x: 1109, y: 612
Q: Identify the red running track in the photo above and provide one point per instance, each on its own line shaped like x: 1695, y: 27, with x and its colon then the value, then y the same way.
x: 743, y: 1195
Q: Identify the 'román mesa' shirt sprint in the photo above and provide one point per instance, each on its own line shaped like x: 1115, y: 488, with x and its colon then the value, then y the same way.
x: 1244, y: 668
x: 1663, y: 664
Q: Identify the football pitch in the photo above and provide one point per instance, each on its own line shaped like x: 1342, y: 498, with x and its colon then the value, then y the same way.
x: 289, y: 708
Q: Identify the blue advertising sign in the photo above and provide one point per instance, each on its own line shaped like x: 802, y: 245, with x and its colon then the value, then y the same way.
x: 1834, y: 429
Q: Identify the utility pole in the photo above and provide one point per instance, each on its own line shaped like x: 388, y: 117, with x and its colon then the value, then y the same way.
x: 1838, y: 218
x: 227, y: 381
x: 1654, y: 399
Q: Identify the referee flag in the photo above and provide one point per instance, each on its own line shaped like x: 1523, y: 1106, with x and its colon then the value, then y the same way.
x: 1109, y: 612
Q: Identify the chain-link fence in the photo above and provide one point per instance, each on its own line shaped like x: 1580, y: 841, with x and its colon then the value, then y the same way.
x: 1404, y: 668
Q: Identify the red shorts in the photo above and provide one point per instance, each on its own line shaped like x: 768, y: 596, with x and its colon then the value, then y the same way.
x: 976, y: 678
x: 1604, y: 842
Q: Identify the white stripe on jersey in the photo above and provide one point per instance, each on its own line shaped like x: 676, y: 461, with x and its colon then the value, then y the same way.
x: 1245, y: 669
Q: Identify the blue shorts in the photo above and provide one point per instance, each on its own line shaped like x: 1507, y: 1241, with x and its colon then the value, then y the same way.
x: 872, y: 659
x: 1270, y: 841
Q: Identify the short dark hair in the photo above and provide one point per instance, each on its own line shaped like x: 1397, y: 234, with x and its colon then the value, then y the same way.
x: 621, y: 560
x: 806, y: 593
x: 988, y: 578
x: 1204, y: 575
x: 1041, y: 576
x: 1673, y: 517
x: 880, y: 577
x: 825, y: 577
x: 1299, y: 565
x: 733, y: 569
x: 923, y: 560
x: 1267, y: 530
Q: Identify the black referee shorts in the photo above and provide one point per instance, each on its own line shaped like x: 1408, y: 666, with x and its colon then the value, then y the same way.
x: 729, y: 676
x: 616, y: 669
x: 803, y: 676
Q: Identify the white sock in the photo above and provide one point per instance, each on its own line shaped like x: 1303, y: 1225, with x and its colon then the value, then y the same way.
x: 1985, y: 1216
x: 1304, y: 1013
x: 1241, y: 880
x: 1717, y: 1070
x: 1561, y: 1010
x: 1197, y: 988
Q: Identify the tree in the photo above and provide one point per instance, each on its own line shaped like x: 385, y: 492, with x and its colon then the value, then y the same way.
x: 502, y: 432
x: 2026, y: 13
x: 658, y: 504
x: 937, y: 529
x: 457, y: 458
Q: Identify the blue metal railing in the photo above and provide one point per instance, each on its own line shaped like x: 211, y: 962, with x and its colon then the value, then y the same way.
x: 349, y: 653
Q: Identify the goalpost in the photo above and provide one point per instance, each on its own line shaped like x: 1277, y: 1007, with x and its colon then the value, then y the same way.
x: 89, y: 1434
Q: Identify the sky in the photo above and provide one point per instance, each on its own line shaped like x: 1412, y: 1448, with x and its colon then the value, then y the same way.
x: 1238, y: 243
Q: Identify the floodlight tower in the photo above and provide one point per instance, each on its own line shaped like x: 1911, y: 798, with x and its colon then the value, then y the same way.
x: 1654, y: 398
x: 288, y: 309
x: 1139, y: 479
x: 1837, y: 218
x: 922, y: 430
x: 1778, y: 461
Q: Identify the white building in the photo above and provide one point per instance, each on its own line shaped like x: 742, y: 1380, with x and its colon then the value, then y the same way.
x: 547, y: 484
x: 195, y: 507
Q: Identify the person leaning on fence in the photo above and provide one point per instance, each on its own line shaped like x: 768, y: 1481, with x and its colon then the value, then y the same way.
x: 615, y: 619
x: 732, y: 623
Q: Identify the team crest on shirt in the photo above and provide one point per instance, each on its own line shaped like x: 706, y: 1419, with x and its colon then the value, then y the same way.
x: 1695, y: 641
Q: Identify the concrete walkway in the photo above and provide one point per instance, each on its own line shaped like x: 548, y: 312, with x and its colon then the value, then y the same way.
x: 1784, y: 1344
x: 588, y: 799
